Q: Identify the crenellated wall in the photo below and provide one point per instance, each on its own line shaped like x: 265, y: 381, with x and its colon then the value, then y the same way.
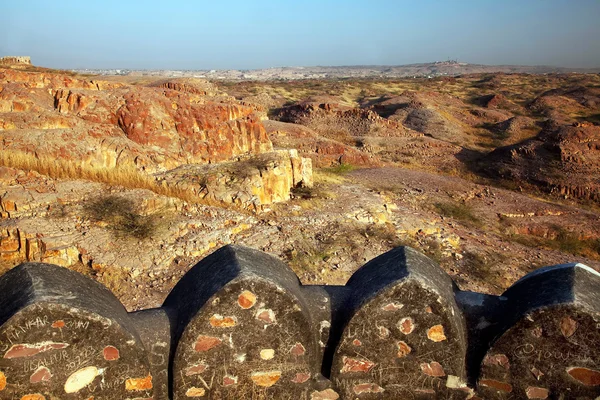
x: 239, y: 325
x: 15, y: 60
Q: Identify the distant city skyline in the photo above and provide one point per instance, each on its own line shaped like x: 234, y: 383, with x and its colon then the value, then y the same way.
x: 244, y: 35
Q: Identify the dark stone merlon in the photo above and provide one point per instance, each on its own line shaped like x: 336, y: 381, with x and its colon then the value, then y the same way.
x: 401, y: 325
x: 239, y: 325
x: 215, y: 271
x: 547, y: 338
x: 243, y: 322
x: 31, y: 283
x: 64, y: 335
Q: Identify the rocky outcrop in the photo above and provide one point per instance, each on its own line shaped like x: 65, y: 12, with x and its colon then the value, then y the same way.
x: 564, y: 161
x: 322, y: 151
x: 333, y: 120
x: 104, y: 125
x: 250, y: 183
x: 189, y: 85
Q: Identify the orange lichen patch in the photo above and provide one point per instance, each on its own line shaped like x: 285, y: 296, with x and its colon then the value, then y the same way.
x: 246, y: 299
x: 327, y: 394
x: 589, y: 377
x: 42, y: 374
x: 498, y: 385
x: 110, y: 353
x: 265, y: 379
x: 28, y: 350
x: 537, y: 393
x: 433, y: 368
x: 406, y: 325
x: 298, y: 350
x: 436, y: 333
x: 2, y: 381
x: 403, y: 349
x: 36, y: 396
x: 219, y: 321
x: 139, y: 383
x: 80, y: 379
x: 568, y: 326
x: 496, y: 359
x: 301, y: 377
x: 357, y: 342
x: 428, y: 310
x: 392, y: 307
x: 205, y: 343
x: 58, y: 324
x: 266, y: 315
x: 196, y: 369
x: 229, y: 380
x: 356, y: 365
x: 367, y: 388
x: 195, y: 392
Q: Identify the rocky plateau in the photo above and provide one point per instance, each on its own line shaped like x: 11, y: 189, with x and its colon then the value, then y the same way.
x: 131, y: 180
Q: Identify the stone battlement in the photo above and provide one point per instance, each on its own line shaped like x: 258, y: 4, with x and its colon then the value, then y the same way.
x: 15, y: 60
x: 239, y: 325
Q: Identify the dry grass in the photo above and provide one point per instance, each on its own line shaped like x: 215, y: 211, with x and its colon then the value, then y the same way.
x: 130, y: 178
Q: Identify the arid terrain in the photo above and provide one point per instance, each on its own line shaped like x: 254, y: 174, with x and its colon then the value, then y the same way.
x: 132, y: 179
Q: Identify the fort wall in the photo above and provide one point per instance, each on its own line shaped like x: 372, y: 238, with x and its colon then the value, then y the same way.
x: 15, y: 60
x: 239, y: 325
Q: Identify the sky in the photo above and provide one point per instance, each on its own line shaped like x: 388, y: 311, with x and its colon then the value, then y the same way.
x: 232, y: 34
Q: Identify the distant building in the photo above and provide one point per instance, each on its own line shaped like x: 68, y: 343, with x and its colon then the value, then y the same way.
x: 15, y: 60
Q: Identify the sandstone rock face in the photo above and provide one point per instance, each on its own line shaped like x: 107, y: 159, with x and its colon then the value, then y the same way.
x: 107, y: 125
x: 562, y: 160
x: 250, y: 183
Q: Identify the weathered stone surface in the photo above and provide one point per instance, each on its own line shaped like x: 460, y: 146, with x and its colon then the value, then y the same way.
x: 243, y: 329
x: 547, y: 338
x: 409, y: 327
x: 65, y: 336
x: 482, y: 313
x: 154, y: 329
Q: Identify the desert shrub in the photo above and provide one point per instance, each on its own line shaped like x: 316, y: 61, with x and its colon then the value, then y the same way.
x: 340, y: 169
x: 120, y: 215
x: 458, y: 211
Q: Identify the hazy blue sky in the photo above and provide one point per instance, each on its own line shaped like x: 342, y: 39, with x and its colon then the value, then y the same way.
x: 248, y: 34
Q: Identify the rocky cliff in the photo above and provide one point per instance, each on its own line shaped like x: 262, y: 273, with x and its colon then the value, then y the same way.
x: 151, y: 129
